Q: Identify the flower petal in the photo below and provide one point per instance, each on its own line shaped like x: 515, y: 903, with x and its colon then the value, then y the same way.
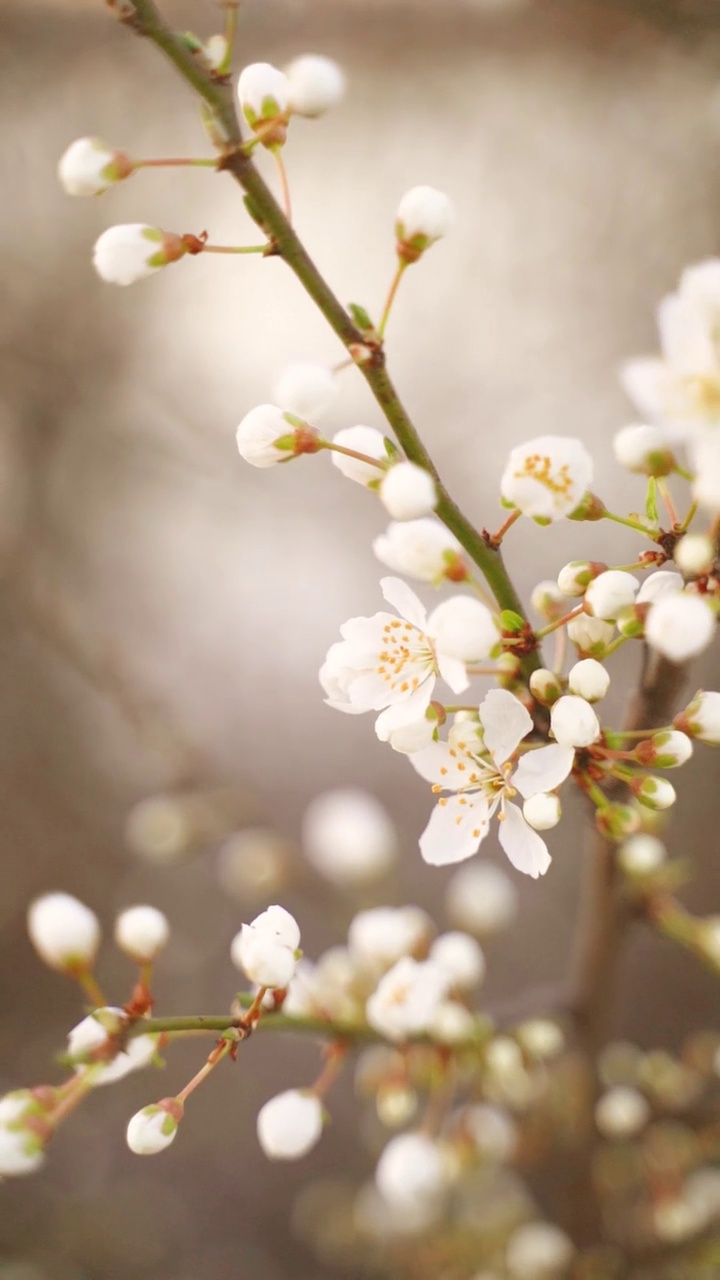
x: 456, y: 827
x: 444, y: 766
x: 403, y: 598
x: 402, y: 714
x: 453, y: 672
x: 685, y: 336
x: 505, y: 723
x: 524, y: 847
x: 543, y: 770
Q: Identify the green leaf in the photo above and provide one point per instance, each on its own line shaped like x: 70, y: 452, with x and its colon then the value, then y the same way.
x: 361, y: 317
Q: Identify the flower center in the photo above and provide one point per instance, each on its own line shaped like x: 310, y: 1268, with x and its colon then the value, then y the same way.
x: 406, y: 656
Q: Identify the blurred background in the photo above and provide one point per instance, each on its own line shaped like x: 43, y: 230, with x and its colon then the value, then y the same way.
x: 165, y: 608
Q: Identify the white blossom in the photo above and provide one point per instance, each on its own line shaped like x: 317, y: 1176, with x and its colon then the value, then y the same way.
x: 547, y: 477
x: 701, y: 717
x: 484, y: 781
x: 590, y: 635
x: 142, y: 932
x: 139, y: 1052
x: 90, y: 166
x: 306, y: 389
x: 609, y: 593
x: 22, y: 1151
x: 481, y: 898
x: 543, y: 811
x: 541, y: 1038
x: 680, y: 626
x: 348, y: 836
x: 661, y: 583
x: 380, y: 936
x: 575, y: 577
x: 96, y: 1031
x: 545, y: 686
x: 573, y: 722
x: 422, y: 549
x: 538, y: 1251
x: 407, y: 998
x: 263, y: 92
x: 266, y: 436
x: 666, y: 750
x: 462, y: 958
x: 64, y: 932
x: 367, y: 440
x: 132, y: 251
x: 589, y: 680
x: 408, y: 734
x: 464, y: 628
x: 314, y: 84
x: 290, y: 1124
x: 152, y: 1129
x: 644, y: 449
x: 411, y: 1171
x: 423, y: 216
x: 621, y: 1112
x: 265, y: 949
x: 695, y: 555
x: 655, y: 793
x: 215, y: 52
x: 705, y: 460
x: 641, y: 854
x: 408, y: 492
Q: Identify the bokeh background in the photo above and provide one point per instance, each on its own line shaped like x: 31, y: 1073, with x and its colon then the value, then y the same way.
x: 165, y: 609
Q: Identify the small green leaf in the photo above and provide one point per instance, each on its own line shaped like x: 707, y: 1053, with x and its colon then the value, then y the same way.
x: 361, y: 317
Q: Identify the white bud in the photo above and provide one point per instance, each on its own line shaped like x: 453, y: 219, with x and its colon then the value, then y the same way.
x: 573, y: 722
x: 407, y: 998
x: 493, y: 1131
x: 215, y: 52
x: 306, y: 389
x: 290, y: 1124
x: 621, y: 1112
x: 575, y: 577
x: 265, y: 949
x: 542, y: 811
x: 64, y: 932
x: 94, y: 1031
x: 644, y: 449
x: 134, y: 250
x: 461, y: 957
x: 315, y: 84
x: 153, y: 1129
x: 610, y: 592
x: 423, y: 216
x: 142, y: 933
x: 547, y: 477
x: 21, y: 1152
x: 545, y: 686
x: 548, y: 599
x: 655, y: 793
x: 381, y: 935
x: 348, y: 836
x: 265, y: 436
x: 422, y: 549
x: 139, y: 1052
x: 695, y: 555
x: 701, y: 717
x: 680, y: 626
x: 667, y: 750
x: 538, y: 1251
x: 481, y: 898
x: 451, y: 1023
x: 541, y: 1038
x: 661, y: 583
x: 408, y: 491
x: 590, y: 635
x: 410, y: 1171
x: 89, y: 167
x: 367, y: 440
x: 463, y: 628
x: 263, y: 93
x: 589, y: 680
x: 641, y: 854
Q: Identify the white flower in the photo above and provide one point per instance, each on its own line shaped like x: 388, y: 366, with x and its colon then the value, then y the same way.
x: 705, y: 459
x: 547, y: 477
x: 701, y: 717
x: 95, y: 1031
x: 483, y: 778
x: 407, y: 734
x: 142, y: 932
x: 423, y: 216
x: 575, y: 577
x: 655, y: 793
x: 545, y: 686
x: 265, y: 949
x: 306, y: 389
x: 590, y: 635
x: 641, y: 854
x: 464, y: 628
x: 573, y: 722
x: 389, y: 664
x: 138, y: 1053
x: 64, y: 932
x: 538, y: 1251
x: 407, y: 998
x: 411, y: 1171
x: 89, y: 167
x: 266, y: 436
x: 661, y: 583
x: 680, y: 626
x: 290, y: 1124
x: 665, y: 750
x: 348, y: 836
x: 314, y: 84
x: 215, y: 52
x: 481, y: 898
x: 21, y: 1151
x: 132, y: 251
x: 621, y: 1112
x: 154, y: 1128
x: 644, y: 449
x: 543, y: 811
x: 695, y: 555
x: 380, y: 936
x: 408, y: 491
x: 367, y: 440
x: 263, y: 92
x: 589, y: 680
x: 461, y: 956
x: 422, y: 549
x: 609, y: 593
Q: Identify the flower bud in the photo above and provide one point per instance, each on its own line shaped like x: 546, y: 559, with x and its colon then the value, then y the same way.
x: 548, y: 599
x: 538, y: 1251
x: 461, y: 957
x: 132, y: 251
x: 265, y: 949
x: 22, y: 1150
x: 314, y: 84
x: 591, y: 636
x: 153, y: 1129
x: 348, y: 836
x: 616, y: 821
x: 680, y: 626
x: 621, y: 1112
x: 142, y: 933
x: 542, y: 811
x: 492, y: 1130
x: 641, y: 855
x: 610, y: 592
x: 97, y: 1032
x: 215, y: 52
x: 575, y: 577
x: 644, y: 450
x: 665, y: 750
x: 655, y: 793
x: 306, y: 389
x: 381, y: 936
x: 64, y: 932
x: 263, y: 92
x: 410, y: 1171
x: 545, y: 686
x: 366, y: 440
x: 423, y: 216
x: 695, y: 555
x: 701, y: 718
x: 630, y: 621
x: 481, y: 898
x: 573, y: 722
x: 547, y: 477
x: 290, y: 1124
x: 408, y: 492
x: 589, y: 680
x: 89, y: 167
x: 452, y: 1023
x: 663, y: 582
x: 463, y: 628
x: 266, y: 435
x: 422, y: 549
x: 541, y: 1038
